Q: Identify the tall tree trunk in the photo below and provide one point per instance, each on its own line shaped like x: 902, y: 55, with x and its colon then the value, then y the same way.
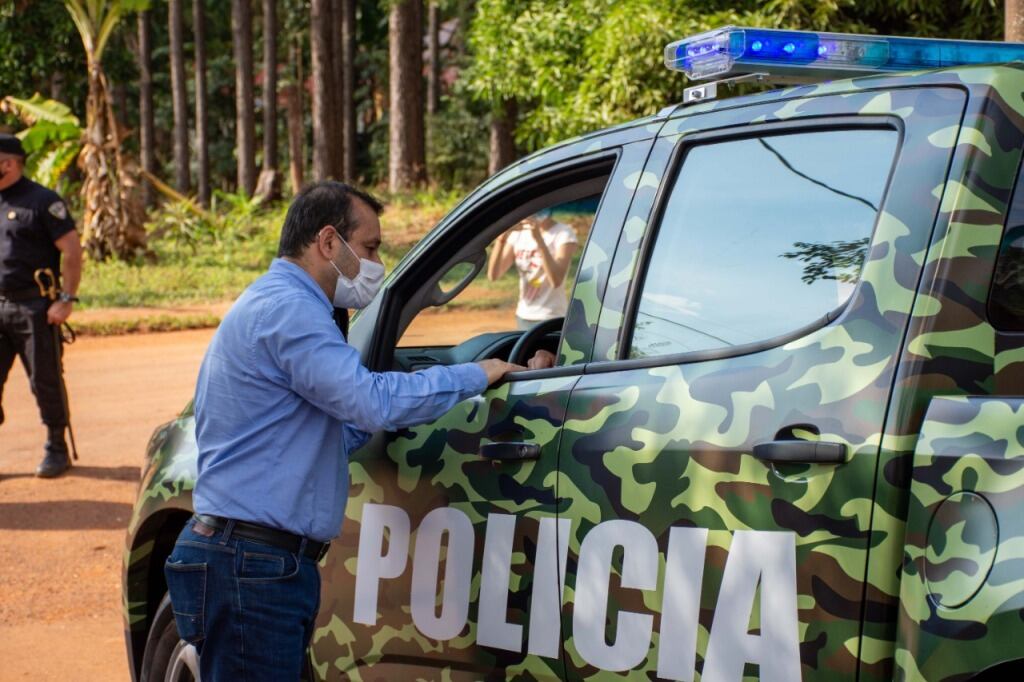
x: 406, y: 154
x: 337, y: 83
x: 146, y: 139
x: 320, y: 56
x: 296, y: 127
x: 179, y: 96
x: 433, y: 58
x: 202, y: 125
x: 1015, y: 20
x: 348, y: 90
x: 113, y: 214
x: 269, y: 184
x: 245, y: 125
x: 57, y: 85
x: 503, y: 146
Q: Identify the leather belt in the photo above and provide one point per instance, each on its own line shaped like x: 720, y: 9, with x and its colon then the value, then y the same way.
x: 281, y: 539
x: 20, y: 295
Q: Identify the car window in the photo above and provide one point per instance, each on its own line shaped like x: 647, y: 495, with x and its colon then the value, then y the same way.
x: 1006, y: 302
x: 760, y: 237
x: 1006, y: 307
x: 487, y: 305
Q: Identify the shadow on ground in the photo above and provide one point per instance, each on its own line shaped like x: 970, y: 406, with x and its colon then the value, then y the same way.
x: 64, y: 515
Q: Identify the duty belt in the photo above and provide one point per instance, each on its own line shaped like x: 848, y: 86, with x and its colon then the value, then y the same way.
x: 20, y: 295
x: 270, y: 536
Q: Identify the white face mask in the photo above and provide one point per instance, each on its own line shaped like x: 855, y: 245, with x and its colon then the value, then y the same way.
x: 357, y: 293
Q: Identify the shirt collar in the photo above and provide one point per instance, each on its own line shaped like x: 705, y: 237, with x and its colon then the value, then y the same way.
x: 301, y: 277
x: 15, y: 188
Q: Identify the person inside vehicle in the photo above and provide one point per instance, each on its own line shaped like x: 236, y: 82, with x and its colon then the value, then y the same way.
x: 542, y: 250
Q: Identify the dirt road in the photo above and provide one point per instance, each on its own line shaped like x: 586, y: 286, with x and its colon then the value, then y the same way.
x: 61, y: 541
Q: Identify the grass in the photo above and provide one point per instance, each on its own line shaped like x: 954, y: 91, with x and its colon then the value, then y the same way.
x: 145, y: 323
x: 213, y: 257
x: 196, y: 259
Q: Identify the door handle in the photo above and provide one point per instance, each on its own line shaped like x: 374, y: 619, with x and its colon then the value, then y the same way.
x: 800, y: 452
x: 510, y: 451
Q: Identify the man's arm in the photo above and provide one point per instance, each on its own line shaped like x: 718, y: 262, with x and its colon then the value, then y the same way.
x: 70, y: 276
x: 321, y: 367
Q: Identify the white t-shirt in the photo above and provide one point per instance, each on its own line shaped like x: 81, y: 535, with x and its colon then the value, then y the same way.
x: 538, y: 298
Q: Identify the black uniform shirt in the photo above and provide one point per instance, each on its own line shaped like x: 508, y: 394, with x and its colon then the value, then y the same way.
x: 32, y: 218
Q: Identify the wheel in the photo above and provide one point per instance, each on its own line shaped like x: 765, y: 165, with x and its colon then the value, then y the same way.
x: 167, y: 657
x: 524, y: 347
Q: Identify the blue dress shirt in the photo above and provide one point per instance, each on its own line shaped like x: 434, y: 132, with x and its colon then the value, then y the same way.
x: 282, y: 400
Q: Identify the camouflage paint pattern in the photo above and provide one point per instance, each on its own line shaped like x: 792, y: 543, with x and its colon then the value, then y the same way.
x: 592, y: 276
x: 674, y: 443
x: 962, y: 590
x: 439, y: 465
x: 671, y: 446
x: 952, y: 350
x: 163, y: 503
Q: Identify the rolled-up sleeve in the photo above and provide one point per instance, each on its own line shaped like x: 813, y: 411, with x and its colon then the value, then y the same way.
x: 316, y: 362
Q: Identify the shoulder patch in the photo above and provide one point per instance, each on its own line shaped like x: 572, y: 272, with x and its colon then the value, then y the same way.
x: 58, y: 210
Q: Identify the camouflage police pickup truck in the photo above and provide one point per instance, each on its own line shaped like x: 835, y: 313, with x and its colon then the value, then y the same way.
x: 784, y: 436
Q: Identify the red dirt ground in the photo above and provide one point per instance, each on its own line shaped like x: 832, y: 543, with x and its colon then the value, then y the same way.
x: 61, y: 541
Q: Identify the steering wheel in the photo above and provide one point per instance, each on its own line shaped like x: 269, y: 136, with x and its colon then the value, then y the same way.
x: 526, y: 342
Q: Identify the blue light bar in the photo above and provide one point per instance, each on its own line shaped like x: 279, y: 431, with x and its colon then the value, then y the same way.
x: 817, y: 56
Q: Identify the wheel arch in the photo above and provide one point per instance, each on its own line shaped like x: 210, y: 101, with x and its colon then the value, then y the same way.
x: 144, y: 583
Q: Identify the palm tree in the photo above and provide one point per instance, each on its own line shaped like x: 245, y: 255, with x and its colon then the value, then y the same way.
x: 114, y: 214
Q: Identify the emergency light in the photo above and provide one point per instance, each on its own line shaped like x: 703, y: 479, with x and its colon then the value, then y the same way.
x: 808, y: 55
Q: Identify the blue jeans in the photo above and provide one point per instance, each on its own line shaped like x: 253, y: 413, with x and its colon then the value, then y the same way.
x: 248, y: 607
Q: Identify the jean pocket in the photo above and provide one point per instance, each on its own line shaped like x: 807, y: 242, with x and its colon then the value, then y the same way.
x: 186, y: 583
x: 261, y: 566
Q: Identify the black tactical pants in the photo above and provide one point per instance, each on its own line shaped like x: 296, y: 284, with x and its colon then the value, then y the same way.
x: 24, y: 332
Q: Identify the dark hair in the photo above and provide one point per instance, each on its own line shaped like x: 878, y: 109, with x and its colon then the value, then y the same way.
x: 323, y: 203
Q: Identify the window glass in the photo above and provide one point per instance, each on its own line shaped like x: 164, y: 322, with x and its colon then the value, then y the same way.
x: 1006, y: 303
x: 760, y: 237
x: 520, y: 294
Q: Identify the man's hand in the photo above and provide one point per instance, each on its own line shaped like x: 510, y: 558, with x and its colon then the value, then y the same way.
x: 542, y: 359
x: 496, y: 369
x: 58, y: 312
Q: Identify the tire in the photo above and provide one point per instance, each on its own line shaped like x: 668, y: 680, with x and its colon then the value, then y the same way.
x: 167, y: 657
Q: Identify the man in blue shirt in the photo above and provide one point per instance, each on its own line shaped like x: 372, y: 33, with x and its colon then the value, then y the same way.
x: 281, y: 401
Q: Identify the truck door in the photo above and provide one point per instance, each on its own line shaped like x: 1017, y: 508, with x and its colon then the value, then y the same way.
x: 719, y: 455
x: 448, y: 564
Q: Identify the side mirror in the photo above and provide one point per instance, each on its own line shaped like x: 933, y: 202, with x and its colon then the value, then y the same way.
x: 456, y: 279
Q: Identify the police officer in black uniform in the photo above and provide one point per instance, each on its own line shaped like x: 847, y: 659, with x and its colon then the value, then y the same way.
x: 35, y: 231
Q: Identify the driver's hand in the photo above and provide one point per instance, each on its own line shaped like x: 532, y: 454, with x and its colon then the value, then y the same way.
x: 496, y: 369
x: 542, y: 359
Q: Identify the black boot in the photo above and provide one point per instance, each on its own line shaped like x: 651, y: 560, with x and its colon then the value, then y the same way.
x: 56, y: 461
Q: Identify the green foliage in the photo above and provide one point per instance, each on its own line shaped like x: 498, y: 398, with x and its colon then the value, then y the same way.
x: 212, y: 256
x: 52, y: 140
x: 40, y: 45
x: 587, y: 64
x: 457, y: 143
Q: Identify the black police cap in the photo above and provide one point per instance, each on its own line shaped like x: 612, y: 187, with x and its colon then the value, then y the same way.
x: 9, y: 144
